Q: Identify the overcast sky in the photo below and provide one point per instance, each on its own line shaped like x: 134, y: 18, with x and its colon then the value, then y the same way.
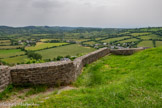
x: 85, y: 13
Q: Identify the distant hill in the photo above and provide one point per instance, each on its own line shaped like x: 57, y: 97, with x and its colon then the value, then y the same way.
x: 5, y: 30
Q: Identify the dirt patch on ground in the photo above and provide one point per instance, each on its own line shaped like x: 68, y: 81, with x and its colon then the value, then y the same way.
x: 65, y: 89
x: 18, y: 98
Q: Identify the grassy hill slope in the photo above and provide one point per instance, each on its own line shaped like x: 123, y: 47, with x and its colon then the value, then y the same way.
x: 114, y: 81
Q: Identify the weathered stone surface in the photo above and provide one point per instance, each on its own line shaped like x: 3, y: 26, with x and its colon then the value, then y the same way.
x: 4, y: 76
x: 51, y: 73
x: 126, y: 51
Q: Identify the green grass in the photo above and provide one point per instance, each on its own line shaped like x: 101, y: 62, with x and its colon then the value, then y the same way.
x: 5, y: 42
x: 129, y: 40
x: 145, y: 44
x: 41, y: 45
x: 113, y: 82
x: 18, y: 91
x: 11, y: 47
x: 6, y: 92
x: 151, y: 29
x: 152, y: 36
x: 98, y: 38
x: 11, y: 52
x: 90, y: 43
x: 140, y: 34
x: 15, y: 60
x: 43, y: 40
x: 78, y: 40
x: 115, y: 39
x: 36, y: 89
x: 158, y: 43
x: 124, y: 33
x: 71, y: 50
x: 40, y: 35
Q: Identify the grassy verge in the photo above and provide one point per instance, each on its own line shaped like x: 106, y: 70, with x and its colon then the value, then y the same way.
x: 6, y: 93
x: 115, y: 82
x: 36, y: 89
x: 11, y: 90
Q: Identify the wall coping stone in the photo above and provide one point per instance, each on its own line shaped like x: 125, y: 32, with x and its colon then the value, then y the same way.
x: 39, y: 65
x: 3, y: 67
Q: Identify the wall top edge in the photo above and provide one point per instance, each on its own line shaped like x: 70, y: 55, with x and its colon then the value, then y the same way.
x: 40, y: 65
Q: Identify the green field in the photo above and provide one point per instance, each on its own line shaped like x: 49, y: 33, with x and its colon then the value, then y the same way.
x: 98, y: 38
x: 15, y: 60
x: 158, y: 43
x: 140, y: 34
x: 151, y: 29
x: 11, y: 52
x: 145, y: 44
x: 41, y: 45
x: 90, y: 43
x: 150, y: 37
x: 124, y: 33
x: 18, y: 38
x: 71, y: 50
x: 77, y: 40
x: 5, y: 42
x: 43, y: 40
x: 11, y: 47
x: 129, y: 40
x: 115, y: 39
x: 40, y: 35
x: 112, y: 82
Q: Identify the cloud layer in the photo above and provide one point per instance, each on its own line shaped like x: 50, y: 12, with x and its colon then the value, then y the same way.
x: 92, y: 13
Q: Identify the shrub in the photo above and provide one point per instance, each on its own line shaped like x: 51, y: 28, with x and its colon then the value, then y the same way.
x: 34, y: 55
x: 68, y: 56
x: 59, y: 58
x: 34, y: 61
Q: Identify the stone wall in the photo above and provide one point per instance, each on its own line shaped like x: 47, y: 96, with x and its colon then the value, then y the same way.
x: 4, y: 76
x: 80, y: 62
x: 53, y: 73
x: 126, y: 51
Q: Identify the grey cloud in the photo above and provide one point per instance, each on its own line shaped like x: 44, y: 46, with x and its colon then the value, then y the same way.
x: 98, y: 13
x: 47, y: 4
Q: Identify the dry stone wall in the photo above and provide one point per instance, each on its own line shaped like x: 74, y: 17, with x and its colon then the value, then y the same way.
x: 53, y: 73
x: 5, y: 78
x: 80, y: 62
x: 126, y: 51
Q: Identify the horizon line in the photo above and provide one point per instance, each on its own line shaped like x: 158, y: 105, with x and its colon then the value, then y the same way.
x: 81, y: 26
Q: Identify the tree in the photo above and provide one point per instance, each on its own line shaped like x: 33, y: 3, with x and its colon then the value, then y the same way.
x: 154, y: 43
x: 34, y: 55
